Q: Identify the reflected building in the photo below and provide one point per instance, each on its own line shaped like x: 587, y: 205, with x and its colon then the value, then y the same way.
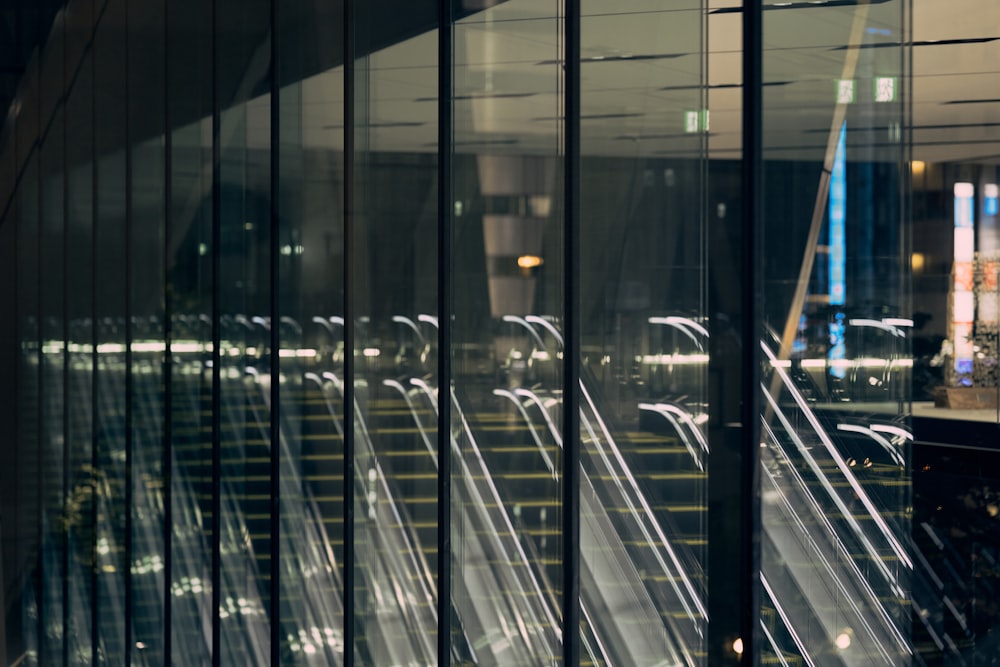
x: 690, y: 274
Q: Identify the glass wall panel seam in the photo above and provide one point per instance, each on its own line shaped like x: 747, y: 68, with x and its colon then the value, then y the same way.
x: 40, y: 384
x: 129, y: 380
x: 350, y: 413
x: 445, y: 304
x: 275, y: 343
x: 66, y: 435
x: 168, y: 376
x: 216, y: 346
x: 752, y: 183
x: 94, y: 588
x: 571, y: 332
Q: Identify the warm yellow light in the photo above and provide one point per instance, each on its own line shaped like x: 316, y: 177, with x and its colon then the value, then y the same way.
x: 917, y: 262
x: 917, y: 167
x: 843, y: 641
x: 738, y: 646
x: 529, y: 261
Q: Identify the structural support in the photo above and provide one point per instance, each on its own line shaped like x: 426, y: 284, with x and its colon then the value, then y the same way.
x: 445, y: 306
x: 750, y: 301
x: 216, y: 347
x: 571, y: 334
x: 274, y: 224
x: 349, y: 415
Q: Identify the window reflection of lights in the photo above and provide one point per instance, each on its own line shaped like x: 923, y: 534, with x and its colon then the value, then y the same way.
x: 738, y: 646
x: 302, y: 353
x: 529, y: 261
x: 372, y: 352
x: 673, y: 359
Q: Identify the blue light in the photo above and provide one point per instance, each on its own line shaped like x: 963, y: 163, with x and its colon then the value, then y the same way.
x: 837, y: 207
x: 990, y: 206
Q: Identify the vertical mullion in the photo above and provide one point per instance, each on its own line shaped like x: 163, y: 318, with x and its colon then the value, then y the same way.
x: 750, y: 298
x: 129, y: 384
x: 275, y: 342
x: 216, y: 251
x: 445, y: 304
x: 67, y: 436
x: 168, y: 406
x: 348, y: 303
x: 571, y: 332
x: 40, y: 373
x: 94, y: 403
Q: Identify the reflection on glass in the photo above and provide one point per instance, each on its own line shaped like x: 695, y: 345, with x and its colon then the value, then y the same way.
x: 394, y: 289
x: 644, y: 337
x: 53, y: 365
x: 311, y: 334
x: 506, y: 512
x: 835, y: 475
x: 28, y: 399
x: 80, y: 358
x: 147, y: 330
x: 243, y: 290
x: 110, y: 281
x: 189, y: 302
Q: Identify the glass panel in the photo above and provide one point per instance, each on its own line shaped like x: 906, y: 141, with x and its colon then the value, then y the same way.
x: 311, y: 355
x: 956, y: 328
x: 243, y: 52
x: 507, y: 266
x: 956, y: 239
x: 835, y: 472
x: 110, y: 306
x: 26, y: 625
x: 644, y: 360
x: 189, y: 301
x: 81, y: 357
x: 147, y: 330
x: 52, y: 287
x: 9, y: 361
x: 395, y: 295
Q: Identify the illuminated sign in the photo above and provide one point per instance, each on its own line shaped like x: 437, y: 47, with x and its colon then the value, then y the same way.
x: 845, y: 91
x: 696, y: 121
x: 837, y: 206
x: 885, y: 89
x: 962, y: 301
x: 990, y: 194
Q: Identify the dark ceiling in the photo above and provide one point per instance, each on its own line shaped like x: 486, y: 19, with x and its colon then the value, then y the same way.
x: 24, y: 24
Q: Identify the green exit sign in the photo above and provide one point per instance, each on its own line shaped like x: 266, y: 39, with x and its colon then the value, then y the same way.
x: 696, y: 121
x: 845, y: 91
x: 885, y: 89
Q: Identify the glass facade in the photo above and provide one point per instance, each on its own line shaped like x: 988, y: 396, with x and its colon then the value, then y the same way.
x: 499, y: 332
